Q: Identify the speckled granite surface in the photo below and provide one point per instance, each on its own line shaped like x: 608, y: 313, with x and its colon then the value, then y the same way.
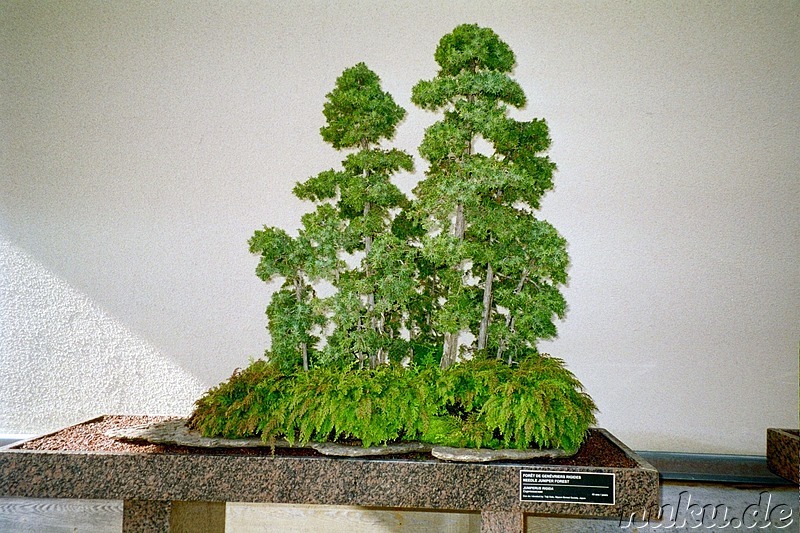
x: 501, y: 521
x: 146, y: 516
x: 401, y: 483
x: 783, y: 453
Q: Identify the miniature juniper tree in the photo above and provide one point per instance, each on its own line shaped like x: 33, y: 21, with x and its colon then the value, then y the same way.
x: 478, y: 207
x: 295, y: 313
x: 369, y: 305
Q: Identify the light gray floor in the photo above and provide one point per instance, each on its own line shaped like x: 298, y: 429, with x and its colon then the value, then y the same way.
x: 687, y: 507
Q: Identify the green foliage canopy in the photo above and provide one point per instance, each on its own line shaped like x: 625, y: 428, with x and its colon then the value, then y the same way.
x: 358, y: 111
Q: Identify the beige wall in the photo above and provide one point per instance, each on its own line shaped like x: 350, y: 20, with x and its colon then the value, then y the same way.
x: 142, y: 143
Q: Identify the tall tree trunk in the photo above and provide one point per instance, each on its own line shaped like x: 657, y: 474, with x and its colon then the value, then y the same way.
x: 460, y: 225
x: 304, y: 352
x: 450, y: 349
x: 367, y: 237
x: 298, y: 291
x: 483, y: 331
x: 367, y: 271
x: 374, y: 358
x: 510, y: 320
x: 502, y: 345
x: 383, y: 356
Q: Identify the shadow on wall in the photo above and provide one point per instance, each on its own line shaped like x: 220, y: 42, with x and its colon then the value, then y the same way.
x: 64, y: 359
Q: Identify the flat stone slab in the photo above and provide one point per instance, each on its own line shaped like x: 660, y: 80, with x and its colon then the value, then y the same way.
x: 348, y: 450
x: 175, y: 432
x: 484, y: 455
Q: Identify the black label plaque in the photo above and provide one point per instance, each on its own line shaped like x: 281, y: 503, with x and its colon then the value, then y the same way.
x: 566, y: 487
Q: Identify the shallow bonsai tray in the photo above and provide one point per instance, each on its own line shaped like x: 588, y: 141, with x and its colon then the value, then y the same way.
x: 783, y: 453
x: 166, y: 485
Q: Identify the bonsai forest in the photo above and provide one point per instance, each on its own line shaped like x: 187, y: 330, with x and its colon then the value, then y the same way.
x: 439, y: 299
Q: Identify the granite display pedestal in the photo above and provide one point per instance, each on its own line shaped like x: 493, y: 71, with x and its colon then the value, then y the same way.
x: 783, y: 453
x: 180, y: 490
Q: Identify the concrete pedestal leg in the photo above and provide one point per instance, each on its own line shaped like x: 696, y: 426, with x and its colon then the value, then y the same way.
x: 148, y: 516
x: 502, y: 522
x: 188, y: 517
x: 143, y: 516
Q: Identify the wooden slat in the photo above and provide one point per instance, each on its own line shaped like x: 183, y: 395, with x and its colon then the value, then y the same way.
x: 23, y: 515
x: 267, y: 517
